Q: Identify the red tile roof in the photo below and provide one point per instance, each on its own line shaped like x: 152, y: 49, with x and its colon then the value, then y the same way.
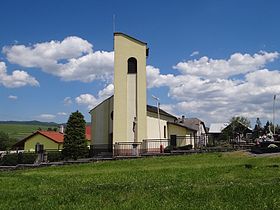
x: 88, y: 132
x: 59, y: 137
x: 53, y: 135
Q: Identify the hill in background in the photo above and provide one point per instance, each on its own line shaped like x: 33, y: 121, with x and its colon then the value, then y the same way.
x: 21, y: 129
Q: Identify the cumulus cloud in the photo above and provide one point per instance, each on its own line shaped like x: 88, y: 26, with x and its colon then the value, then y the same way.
x: 16, y: 79
x: 106, y: 92
x: 205, y: 87
x: 46, y: 116
x: 91, y: 101
x: 194, y: 53
x: 219, y: 68
x: 62, y: 113
x: 86, y: 99
x: 67, y: 100
x: 71, y: 59
x: 13, y: 97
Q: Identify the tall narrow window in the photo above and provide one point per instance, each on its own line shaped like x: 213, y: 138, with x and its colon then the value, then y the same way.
x: 132, y: 66
x: 164, y: 132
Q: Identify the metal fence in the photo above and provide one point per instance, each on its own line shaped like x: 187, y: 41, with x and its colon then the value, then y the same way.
x: 127, y: 148
x: 154, y: 145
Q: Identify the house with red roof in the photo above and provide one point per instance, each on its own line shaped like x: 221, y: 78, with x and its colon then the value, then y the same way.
x: 51, y: 140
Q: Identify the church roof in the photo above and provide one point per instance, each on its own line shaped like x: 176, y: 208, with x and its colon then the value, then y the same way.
x: 130, y: 37
x: 161, y: 112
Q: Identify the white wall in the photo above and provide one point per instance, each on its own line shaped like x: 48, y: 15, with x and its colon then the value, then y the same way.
x: 153, y: 128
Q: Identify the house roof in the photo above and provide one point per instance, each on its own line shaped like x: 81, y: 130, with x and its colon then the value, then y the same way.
x: 181, y: 125
x: 88, y: 132
x: 193, y: 123
x: 217, y: 127
x: 161, y: 112
x: 54, y: 136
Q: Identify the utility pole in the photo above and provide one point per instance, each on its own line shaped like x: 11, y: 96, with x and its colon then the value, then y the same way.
x: 274, y: 98
x: 158, y: 104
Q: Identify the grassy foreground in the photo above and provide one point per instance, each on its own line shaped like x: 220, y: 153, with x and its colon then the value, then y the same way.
x: 204, y: 181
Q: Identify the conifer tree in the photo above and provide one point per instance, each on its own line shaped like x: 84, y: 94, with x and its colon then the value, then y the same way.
x: 75, y: 145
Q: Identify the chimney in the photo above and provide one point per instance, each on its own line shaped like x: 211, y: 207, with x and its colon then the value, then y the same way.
x: 61, y: 129
x: 183, y: 118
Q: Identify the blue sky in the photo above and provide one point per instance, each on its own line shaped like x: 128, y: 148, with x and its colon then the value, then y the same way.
x: 208, y: 59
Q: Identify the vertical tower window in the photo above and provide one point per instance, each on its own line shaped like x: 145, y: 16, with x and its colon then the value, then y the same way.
x: 132, y: 66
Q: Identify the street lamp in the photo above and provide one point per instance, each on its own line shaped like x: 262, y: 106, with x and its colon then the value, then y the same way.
x: 274, y: 98
x: 158, y: 104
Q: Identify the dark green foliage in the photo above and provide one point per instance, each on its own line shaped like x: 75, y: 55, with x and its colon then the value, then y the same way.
x: 186, y: 147
x: 9, y: 160
x: 54, y: 156
x: 240, y: 119
x: 75, y: 145
x: 238, y: 127
x: 5, y: 141
x: 169, y: 148
x: 258, y: 129
x: 18, y: 158
x: 266, y: 127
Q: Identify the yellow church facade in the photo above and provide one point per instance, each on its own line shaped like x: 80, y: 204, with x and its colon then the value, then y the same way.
x: 124, y: 120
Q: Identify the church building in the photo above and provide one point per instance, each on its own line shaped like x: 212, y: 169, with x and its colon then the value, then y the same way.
x: 124, y: 121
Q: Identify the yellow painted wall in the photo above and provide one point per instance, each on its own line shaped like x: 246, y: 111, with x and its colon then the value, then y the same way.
x: 30, y: 143
x: 181, y: 131
x: 101, y: 122
x: 124, y: 48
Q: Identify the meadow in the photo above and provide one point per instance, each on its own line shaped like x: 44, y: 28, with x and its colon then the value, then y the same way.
x: 201, y: 181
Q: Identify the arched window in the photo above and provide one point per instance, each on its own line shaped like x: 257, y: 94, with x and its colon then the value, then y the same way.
x: 132, y: 66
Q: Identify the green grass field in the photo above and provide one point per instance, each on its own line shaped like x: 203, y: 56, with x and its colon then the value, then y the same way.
x: 20, y: 131
x: 203, y: 181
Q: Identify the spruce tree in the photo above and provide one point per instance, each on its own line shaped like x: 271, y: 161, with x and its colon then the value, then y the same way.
x: 75, y: 145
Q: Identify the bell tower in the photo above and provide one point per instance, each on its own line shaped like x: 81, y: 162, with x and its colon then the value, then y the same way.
x: 130, y: 105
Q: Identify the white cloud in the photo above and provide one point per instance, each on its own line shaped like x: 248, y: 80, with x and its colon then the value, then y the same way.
x: 237, y: 64
x: 106, y: 92
x: 194, y: 53
x: 67, y: 100
x: 91, y: 101
x: 86, y: 99
x: 13, y: 97
x: 71, y: 59
x: 62, y: 113
x: 16, y: 79
x: 218, y: 97
x: 46, y: 116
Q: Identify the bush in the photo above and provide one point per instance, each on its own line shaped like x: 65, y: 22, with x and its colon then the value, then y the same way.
x: 54, y: 156
x: 9, y: 160
x: 186, y: 147
x: 20, y: 158
x: 26, y: 158
x: 169, y: 148
x: 260, y: 149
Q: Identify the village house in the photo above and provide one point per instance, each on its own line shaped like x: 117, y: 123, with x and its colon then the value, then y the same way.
x: 51, y: 140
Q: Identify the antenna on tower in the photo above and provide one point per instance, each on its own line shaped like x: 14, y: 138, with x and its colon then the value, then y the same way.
x: 114, y: 23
